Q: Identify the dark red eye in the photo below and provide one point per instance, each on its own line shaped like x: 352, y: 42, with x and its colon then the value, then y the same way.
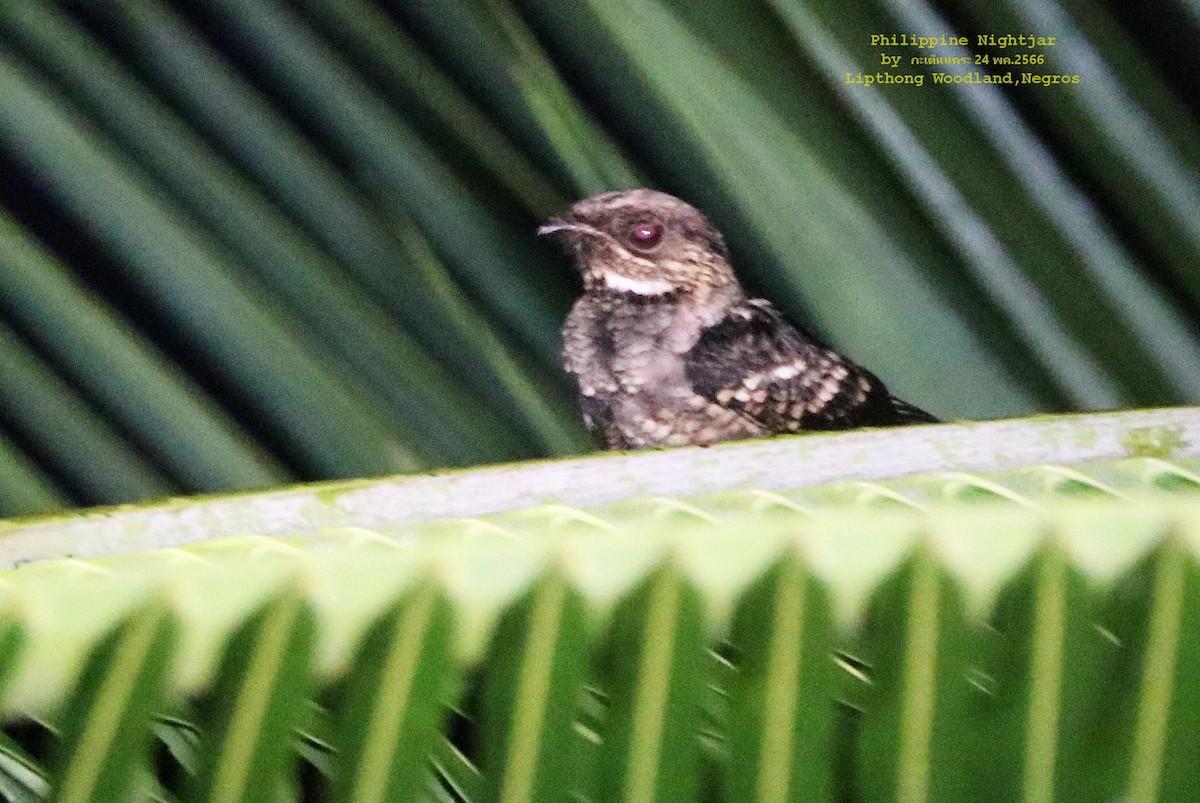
x: 645, y: 235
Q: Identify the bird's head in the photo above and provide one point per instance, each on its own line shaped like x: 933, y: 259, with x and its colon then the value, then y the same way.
x: 646, y: 243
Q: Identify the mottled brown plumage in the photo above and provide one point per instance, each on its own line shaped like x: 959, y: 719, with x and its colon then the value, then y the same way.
x: 668, y: 350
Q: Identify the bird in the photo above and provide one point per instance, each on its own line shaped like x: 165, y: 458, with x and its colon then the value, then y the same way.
x: 668, y: 349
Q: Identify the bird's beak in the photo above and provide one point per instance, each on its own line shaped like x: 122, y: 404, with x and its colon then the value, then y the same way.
x: 558, y: 225
x: 553, y: 226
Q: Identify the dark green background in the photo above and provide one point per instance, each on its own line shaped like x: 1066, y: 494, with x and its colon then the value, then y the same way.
x: 248, y: 243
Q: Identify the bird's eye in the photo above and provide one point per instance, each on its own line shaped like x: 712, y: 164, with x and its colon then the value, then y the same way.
x: 645, y: 236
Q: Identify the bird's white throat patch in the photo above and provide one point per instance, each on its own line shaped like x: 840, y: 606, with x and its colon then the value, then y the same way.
x: 642, y: 287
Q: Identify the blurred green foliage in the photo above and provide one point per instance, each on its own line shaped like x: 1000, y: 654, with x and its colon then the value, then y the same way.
x: 1028, y: 633
x: 244, y: 242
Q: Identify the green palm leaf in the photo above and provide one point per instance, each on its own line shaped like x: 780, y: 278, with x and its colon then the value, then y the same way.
x: 903, y: 636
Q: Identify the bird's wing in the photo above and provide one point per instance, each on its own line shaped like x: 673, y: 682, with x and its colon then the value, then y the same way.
x: 758, y: 363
